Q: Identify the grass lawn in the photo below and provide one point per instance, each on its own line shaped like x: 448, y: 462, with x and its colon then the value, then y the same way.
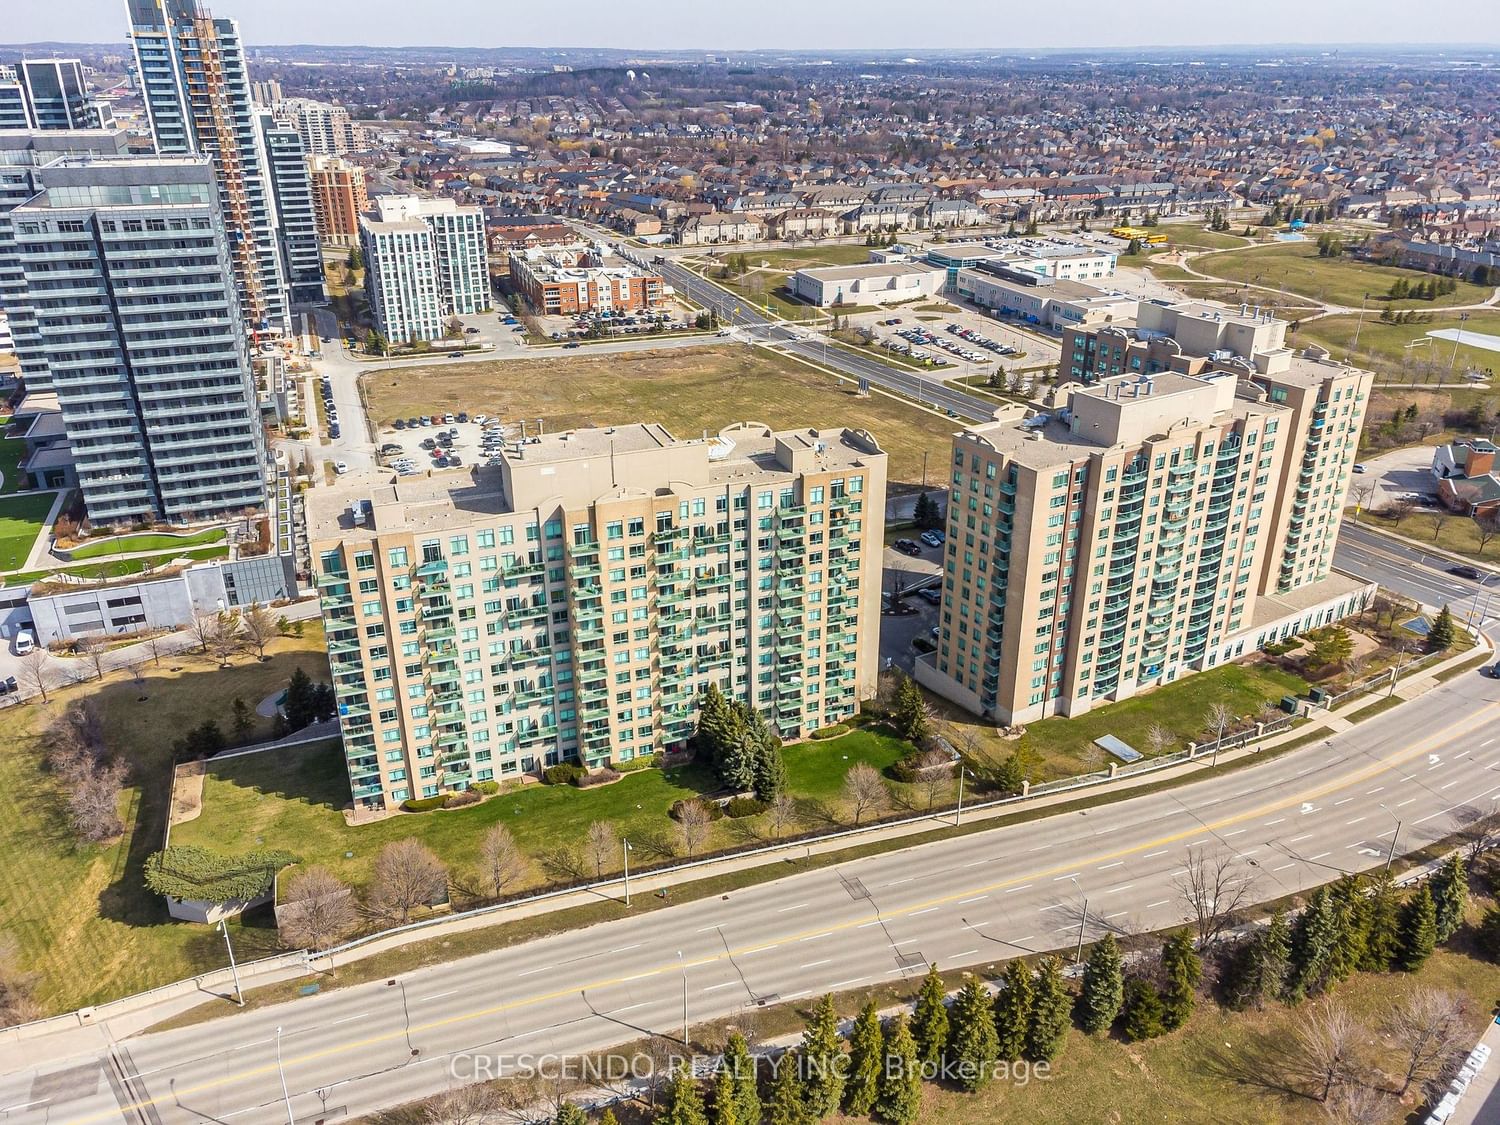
x: 1296, y: 268
x: 11, y: 452
x: 1162, y: 271
x: 765, y: 292
x: 807, y: 257
x: 22, y: 519
x: 1190, y: 237
x: 1065, y: 745
x: 84, y: 922
x: 118, y: 568
x: 292, y: 799
x: 1286, y: 308
x: 1450, y: 532
x: 1382, y: 347
x: 685, y: 389
x: 131, y: 544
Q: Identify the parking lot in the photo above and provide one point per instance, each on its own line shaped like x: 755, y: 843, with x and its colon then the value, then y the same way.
x: 442, y: 441
x: 899, y: 630
x: 668, y: 317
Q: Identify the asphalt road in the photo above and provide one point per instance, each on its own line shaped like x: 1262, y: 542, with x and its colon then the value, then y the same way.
x: 1294, y: 822
x: 1416, y: 575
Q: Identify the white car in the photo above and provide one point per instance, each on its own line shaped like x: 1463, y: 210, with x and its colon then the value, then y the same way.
x: 480, y: 418
x: 341, y: 467
x: 25, y: 642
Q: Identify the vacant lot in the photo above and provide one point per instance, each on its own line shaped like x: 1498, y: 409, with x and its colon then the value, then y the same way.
x: 1296, y: 268
x: 82, y: 917
x: 688, y: 390
x: 21, y: 521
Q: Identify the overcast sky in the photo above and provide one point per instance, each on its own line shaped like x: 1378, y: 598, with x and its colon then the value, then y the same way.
x: 906, y: 25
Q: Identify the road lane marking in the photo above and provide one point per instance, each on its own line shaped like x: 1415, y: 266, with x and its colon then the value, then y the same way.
x: 1236, y: 832
x: 815, y: 964
x: 1283, y: 867
x: 1278, y: 820
x: 627, y: 948
x: 928, y: 910
x: 1022, y: 887
x: 533, y: 972
x: 799, y: 906
x: 893, y: 883
x: 1107, y: 866
x: 976, y: 898
x: 1298, y: 839
x: 856, y: 980
x: 1154, y: 905
x: 816, y: 937
x: 639, y: 976
x: 716, y: 987
x: 1320, y: 855
x: 1117, y: 890
x: 1069, y: 875
x: 1153, y: 855
x: 1356, y: 820
x: 440, y: 995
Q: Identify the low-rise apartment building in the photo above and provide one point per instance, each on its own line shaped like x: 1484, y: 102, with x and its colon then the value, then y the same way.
x: 577, y: 599
x: 571, y: 280
x: 1146, y: 530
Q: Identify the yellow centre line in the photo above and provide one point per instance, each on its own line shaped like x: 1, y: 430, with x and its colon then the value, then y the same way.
x: 1375, y: 769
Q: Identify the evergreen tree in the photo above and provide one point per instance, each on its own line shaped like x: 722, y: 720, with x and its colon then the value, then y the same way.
x: 926, y: 514
x: 684, y: 1102
x: 1353, y: 906
x: 1441, y: 636
x: 930, y: 1019
x: 1315, y: 938
x: 767, y: 767
x: 570, y: 1114
x: 1103, y: 986
x: 1487, y: 936
x: 1013, y: 1006
x: 1183, y: 970
x: 724, y: 1110
x: 609, y: 1118
x: 1142, y: 1015
x: 900, y: 1099
x: 1418, y: 930
x: 786, y: 1106
x: 909, y: 712
x: 822, y: 1057
x: 356, y: 260
x: 1383, y: 933
x: 866, y: 1058
x: 299, y: 705
x: 1259, y: 970
x: 1450, y: 894
x: 972, y: 1044
x: 740, y: 1064
x: 1050, y: 1013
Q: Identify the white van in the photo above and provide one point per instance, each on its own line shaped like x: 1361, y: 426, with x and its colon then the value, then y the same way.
x: 25, y: 642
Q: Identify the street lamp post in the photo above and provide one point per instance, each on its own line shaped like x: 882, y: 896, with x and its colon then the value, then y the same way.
x: 625, y: 851
x: 285, y: 1094
x: 1082, y: 921
x: 234, y: 970
x: 959, y: 813
x: 1391, y: 854
x: 681, y: 964
x: 1396, y: 671
x: 1360, y: 323
x: 1457, y: 336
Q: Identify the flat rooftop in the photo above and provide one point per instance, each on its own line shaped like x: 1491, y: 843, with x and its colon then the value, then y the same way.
x: 1273, y: 607
x: 867, y: 269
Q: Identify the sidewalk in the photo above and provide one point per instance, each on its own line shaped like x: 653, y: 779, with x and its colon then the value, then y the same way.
x: 87, y: 1030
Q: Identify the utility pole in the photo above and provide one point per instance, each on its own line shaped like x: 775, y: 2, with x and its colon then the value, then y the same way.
x: 234, y: 970
x: 1082, y: 921
x: 1391, y: 854
x: 959, y: 814
x: 1358, y: 324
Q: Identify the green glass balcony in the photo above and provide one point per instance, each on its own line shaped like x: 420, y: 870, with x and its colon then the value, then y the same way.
x: 332, y: 578
x: 524, y: 569
x: 711, y: 581
x: 670, y: 534
x: 335, y: 600
x: 433, y: 569
x: 341, y: 645
x: 527, y: 613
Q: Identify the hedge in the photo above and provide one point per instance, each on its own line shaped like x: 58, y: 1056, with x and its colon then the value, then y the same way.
x: 427, y: 804
x: 714, y: 811
x: 603, y: 776
x: 463, y: 797
x: 830, y: 732
x: 744, y: 806
x: 644, y: 762
x: 190, y: 872
x: 488, y: 788
x: 564, y: 773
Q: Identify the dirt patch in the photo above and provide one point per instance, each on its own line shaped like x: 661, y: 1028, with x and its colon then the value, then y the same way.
x: 187, y: 792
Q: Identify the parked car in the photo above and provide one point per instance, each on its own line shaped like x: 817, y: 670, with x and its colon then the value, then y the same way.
x: 907, y: 546
x: 340, y: 467
x: 453, y: 459
x: 449, y: 419
x: 8, y: 686
x: 25, y: 642
x: 930, y: 596
x: 932, y: 538
x: 1492, y: 671
x: 1470, y: 572
x: 434, y: 419
x: 1361, y: 468
x: 388, y: 448
x: 571, y: 344
x: 481, y: 419
x: 899, y: 609
x: 463, y: 416
x: 399, y: 423
x: 413, y: 423
x: 334, y: 431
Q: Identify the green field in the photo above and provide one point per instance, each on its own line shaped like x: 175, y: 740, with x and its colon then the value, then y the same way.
x: 291, y: 799
x: 134, y: 544
x: 765, y: 292
x: 84, y: 922
x: 806, y: 257
x: 1186, y: 237
x: 686, y: 389
x: 1296, y: 268
x: 118, y: 568
x: 1286, y: 307
x: 12, y: 450
x: 22, y: 519
x: 1383, y: 347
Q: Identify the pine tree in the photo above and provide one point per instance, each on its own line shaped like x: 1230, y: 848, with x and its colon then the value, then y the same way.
x: 570, y: 1114
x: 1013, y: 1005
x: 1183, y: 970
x: 718, y: 726
x: 298, y: 704
x: 1259, y: 970
x: 786, y: 1106
x: 900, y: 1098
x: 1051, y: 1013
x: 609, y: 1118
x: 909, y: 712
x: 724, y: 1110
x: 767, y: 768
x: 930, y: 1019
x: 866, y: 1058
x: 1353, y: 906
x: 1142, y: 1015
x: 1315, y: 937
x: 822, y: 1057
x: 1103, y: 986
x: 1441, y: 636
x: 1418, y: 930
x: 740, y: 1064
x: 972, y: 1043
x: 684, y: 1101
x: 1450, y: 894
x: 1383, y: 934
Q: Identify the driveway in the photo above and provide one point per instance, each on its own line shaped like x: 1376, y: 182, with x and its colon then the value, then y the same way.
x: 1401, y: 472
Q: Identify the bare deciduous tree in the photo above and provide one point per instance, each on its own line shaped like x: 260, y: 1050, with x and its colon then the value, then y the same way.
x: 1486, y: 528
x: 35, y: 666
x: 1159, y: 739
x: 932, y: 778
x: 205, y: 629
x: 1324, y: 1049
x: 467, y: 1105
x: 501, y: 864
x: 864, y: 790
x: 1427, y: 1025
x: 17, y: 1004
x: 1214, y: 889
x: 1217, y: 720
x: 1398, y: 510
x: 693, y: 822
x: 1359, y: 1105
x: 600, y: 845
x: 226, y: 640
x: 1439, y: 516
x: 94, y: 803
x: 319, y: 911
x: 91, y: 648
x: 259, y: 626
x: 781, y: 812
x: 406, y: 875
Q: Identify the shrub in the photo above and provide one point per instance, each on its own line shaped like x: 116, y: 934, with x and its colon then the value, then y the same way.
x: 904, y: 769
x: 715, y: 812
x: 427, y: 804
x: 564, y: 773
x: 197, y: 873
x: 644, y: 762
x: 744, y: 806
x: 588, y: 778
x: 1279, y: 648
x: 830, y: 731
x: 488, y: 788
x: 463, y: 797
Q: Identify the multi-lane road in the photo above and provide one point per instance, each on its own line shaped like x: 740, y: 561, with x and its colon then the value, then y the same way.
x: 1296, y: 821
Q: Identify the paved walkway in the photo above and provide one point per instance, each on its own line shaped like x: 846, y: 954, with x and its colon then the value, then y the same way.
x: 38, y: 558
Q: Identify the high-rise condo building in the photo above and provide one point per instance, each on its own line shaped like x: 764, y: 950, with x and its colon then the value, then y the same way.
x: 325, y: 129
x: 50, y: 94
x: 425, y: 260
x: 296, y: 222
x: 196, y: 88
x: 1154, y: 526
x: 124, y: 261
x: 339, y: 197
x: 576, y: 600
